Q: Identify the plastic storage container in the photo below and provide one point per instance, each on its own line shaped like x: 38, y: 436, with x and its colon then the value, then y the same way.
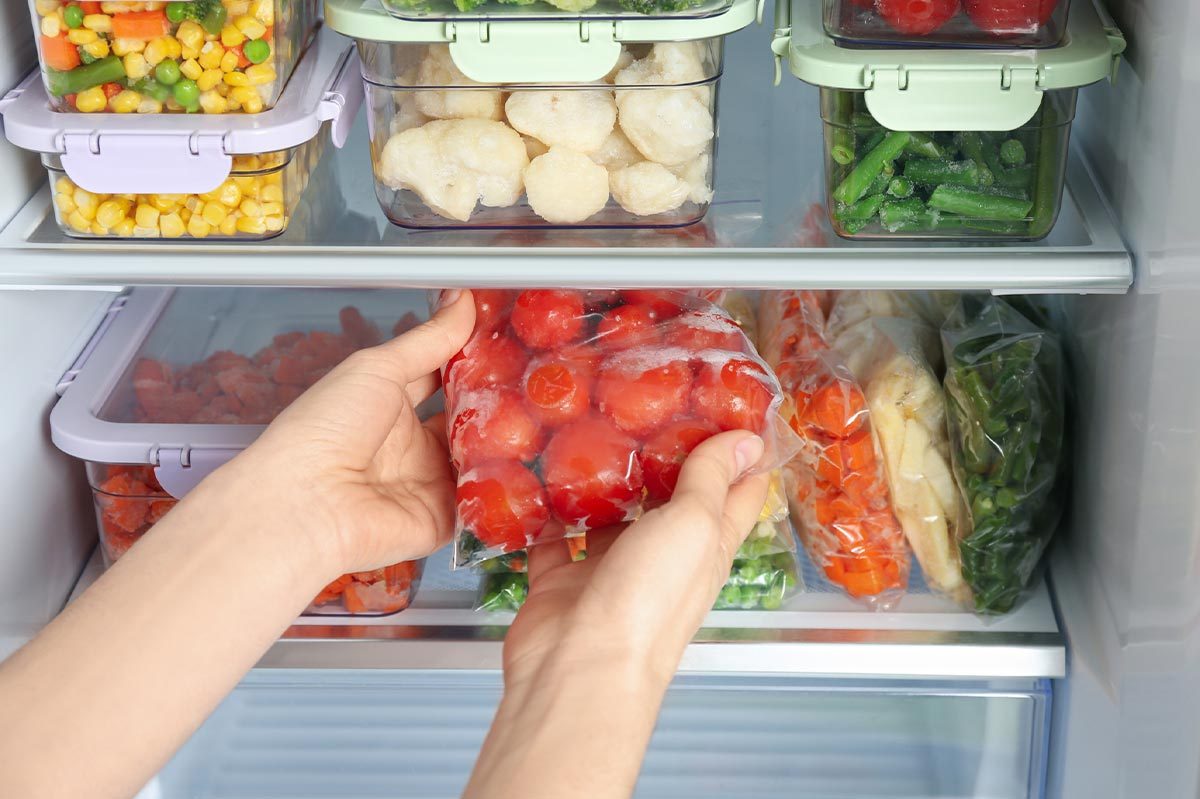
x: 951, y: 23
x: 945, y: 144
x: 177, y: 382
x: 210, y: 56
x: 597, y: 123
x: 198, y: 177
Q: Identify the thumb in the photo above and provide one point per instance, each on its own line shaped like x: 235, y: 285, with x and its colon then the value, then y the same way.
x: 714, y: 466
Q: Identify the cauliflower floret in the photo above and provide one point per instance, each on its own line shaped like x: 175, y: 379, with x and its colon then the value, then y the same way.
x: 616, y: 152
x: 453, y: 163
x: 669, y: 64
x: 438, y: 69
x: 698, y: 177
x: 577, y: 119
x: 565, y: 186
x: 534, y: 148
x: 669, y: 126
x: 407, y: 114
x: 623, y: 60
x: 647, y: 188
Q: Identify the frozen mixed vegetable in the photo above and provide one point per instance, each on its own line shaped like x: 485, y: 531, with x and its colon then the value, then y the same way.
x: 650, y: 7
x: 571, y: 410
x: 1005, y: 404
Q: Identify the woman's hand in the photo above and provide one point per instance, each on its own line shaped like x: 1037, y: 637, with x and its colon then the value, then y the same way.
x: 363, y: 482
x: 592, y: 650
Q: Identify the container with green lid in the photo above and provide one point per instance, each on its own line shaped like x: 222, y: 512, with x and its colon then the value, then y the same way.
x: 947, y: 23
x: 945, y: 144
x: 600, y: 122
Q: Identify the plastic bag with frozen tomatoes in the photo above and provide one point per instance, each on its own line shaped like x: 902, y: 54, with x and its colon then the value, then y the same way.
x: 569, y: 411
x: 836, y: 485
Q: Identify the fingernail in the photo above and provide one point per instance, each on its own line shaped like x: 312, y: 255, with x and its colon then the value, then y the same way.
x: 449, y: 297
x: 747, y: 453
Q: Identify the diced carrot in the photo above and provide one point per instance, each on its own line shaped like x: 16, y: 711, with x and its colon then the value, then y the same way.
x: 357, y: 329
x: 90, y: 7
x: 143, y: 25
x: 111, y: 90
x: 242, y: 61
x: 837, y: 408
x: 58, y: 53
x: 869, y: 583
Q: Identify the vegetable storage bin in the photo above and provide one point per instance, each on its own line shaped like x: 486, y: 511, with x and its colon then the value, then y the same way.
x: 950, y: 23
x: 592, y: 123
x: 945, y: 144
x: 210, y: 56
x: 178, y: 381
x: 133, y: 177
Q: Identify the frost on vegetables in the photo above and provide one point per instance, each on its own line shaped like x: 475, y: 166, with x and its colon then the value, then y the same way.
x: 568, y: 411
x: 1005, y: 403
x: 836, y: 487
x: 230, y: 388
x: 636, y: 147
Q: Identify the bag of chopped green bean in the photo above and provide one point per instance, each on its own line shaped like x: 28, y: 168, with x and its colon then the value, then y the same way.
x: 1005, y: 407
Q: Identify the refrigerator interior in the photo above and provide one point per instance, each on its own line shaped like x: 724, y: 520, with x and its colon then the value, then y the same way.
x: 349, y: 709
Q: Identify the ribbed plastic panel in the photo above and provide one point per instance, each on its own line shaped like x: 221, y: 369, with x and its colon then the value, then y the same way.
x: 416, y: 735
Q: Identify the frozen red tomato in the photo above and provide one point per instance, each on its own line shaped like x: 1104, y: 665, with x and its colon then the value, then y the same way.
x: 916, y: 17
x: 663, y: 304
x: 486, y: 361
x: 628, y: 326
x: 705, y: 330
x: 600, y: 300
x: 502, y: 504
x: 1003, y: 17
x: 493, y: 424
x: 733, y: 395
x: 640, y: 395
x: 545, y: 318
x: 664, y: 453
x: 592, y: 474
x: 558, y: 390
x: 492, y: 308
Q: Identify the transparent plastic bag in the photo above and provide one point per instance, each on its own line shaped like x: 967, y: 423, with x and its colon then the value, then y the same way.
x: 836, y: 487
x: 894, y: 360
x: 573, y: 410
x: 1006, y: 410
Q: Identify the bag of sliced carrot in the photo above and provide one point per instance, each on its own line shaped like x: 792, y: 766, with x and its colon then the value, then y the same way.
x: 836, y: 486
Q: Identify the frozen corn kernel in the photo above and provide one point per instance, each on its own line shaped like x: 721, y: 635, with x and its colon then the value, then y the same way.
x: 231, y: 36
x: 209, y: 79
x: 272, y: 194
x: 146, y: 216
x: 64, y: 204
x: 236, y: 79
x: 214, y: 213
x: 230, y: 193
x: 251, y: 208
x: 97, y: 49
x: 46, y: 7
x: 64, y: 185
x: 110, y: 213
x: 78, y: 222
x: 255, y: 225
x: 211, y: 102
x: 124, y: 228
x: 99, y: 229
x: 155, y: 52
x: 149, y: 105
x: 260, y: 74
x: 254, y: 105
x: 228, y: 226
x: 211, y: 54
x: 174, y: 48
x: 191, y: 69
x: 91, y: 100
x: 171, y: 226
x: 229, y: 61
x: 126, y: 102
x: 263, y: 11
x: 85, y: 201
x: 198, y: 228
x: 124, y: 47
x: 272, y: 209
x: 250, y: 27
x: 100, y: 23
x: 275, y: 224
x: 136, y: 66
x: 190, y: 35
x: 50, y: 27
x: 82, y: 36
x: 140, y: 232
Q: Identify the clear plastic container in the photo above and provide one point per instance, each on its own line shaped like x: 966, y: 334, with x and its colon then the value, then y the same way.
x: 178, y: 381
x: 949, y: 23
x: 881, y: 184
x: 633, y: 150
x: 210, y: 56
x: 426, y: 10
x: 256, y: 201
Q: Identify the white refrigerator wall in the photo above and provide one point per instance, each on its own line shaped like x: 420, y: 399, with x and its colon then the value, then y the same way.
x: 1128, y: 718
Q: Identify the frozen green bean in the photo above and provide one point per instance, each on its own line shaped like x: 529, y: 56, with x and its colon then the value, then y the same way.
x: 939, y: 171
x: 869, y: 166
x: 978, y: 204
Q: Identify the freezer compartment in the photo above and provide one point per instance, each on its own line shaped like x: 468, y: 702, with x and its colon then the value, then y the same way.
x: 257, y: 201
x: 952, y: 185
x: 1009, y: 24
x: 210, y: 56
x: 417, y: 734
x: 634, y: 150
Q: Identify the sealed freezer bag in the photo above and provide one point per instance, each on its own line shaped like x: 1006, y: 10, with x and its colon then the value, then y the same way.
x: 1005, y: 405
x: 895, y: 361
x: 838, y: 494
x: 570, y: 410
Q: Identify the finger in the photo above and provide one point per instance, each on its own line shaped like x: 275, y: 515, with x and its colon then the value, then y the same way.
x: 544, y: 557
x: 436, y: 425
x: 423, y: 387
x: 742, y: 509
x: 428, y: 346
x: 713, y: 466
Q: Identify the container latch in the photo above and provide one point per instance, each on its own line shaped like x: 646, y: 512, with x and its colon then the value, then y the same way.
x: 179, y: 470
x: 146, y: 163
x: 994, y: 98
x: 535, y: 51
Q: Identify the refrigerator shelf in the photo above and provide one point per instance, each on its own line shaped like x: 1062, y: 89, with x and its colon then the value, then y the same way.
x: 815, y: 634
x: 766, y: 228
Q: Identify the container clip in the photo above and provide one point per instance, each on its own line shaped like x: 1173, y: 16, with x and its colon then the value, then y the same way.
x: 145, y: 163
x: 536, y: 51
x: 991, y: 98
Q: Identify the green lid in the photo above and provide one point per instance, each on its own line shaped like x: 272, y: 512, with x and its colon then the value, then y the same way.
x: 947, y: 89
x: 559, y: 51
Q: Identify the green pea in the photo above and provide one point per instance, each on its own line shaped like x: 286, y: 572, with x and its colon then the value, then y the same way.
x: 167, y: 72
x: 73, y: 16
x: 186, y: 92
x: 256, y: 51
x: 176, y: 12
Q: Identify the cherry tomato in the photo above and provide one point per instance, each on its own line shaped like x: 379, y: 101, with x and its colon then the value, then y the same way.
x: 705, y: 330
x: 546, y: 318
x: 502, y: 504
x: 641, y: 399
x: 1009, y: 16
x: 627, y: 326
x: 493, y: 425
x: 734, y: 395
x: 917, y: 17
x: 600, y: 300
x: 663, y: 303
x: 486, y: 361
x: 583, y: 354
x: 592, y: 473
x: 663, y: 455
x: 492, y: 308
x: 558, y: 390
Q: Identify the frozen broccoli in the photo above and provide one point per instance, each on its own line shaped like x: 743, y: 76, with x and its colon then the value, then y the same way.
x: 657, y: 6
